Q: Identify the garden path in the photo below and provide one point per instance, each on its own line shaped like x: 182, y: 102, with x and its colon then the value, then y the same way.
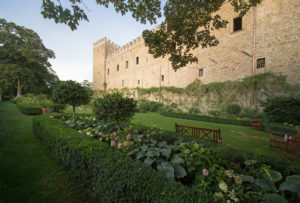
x: 28, y: 172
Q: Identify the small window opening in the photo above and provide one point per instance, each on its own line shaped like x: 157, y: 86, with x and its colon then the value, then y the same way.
x: 138, y: 82
x: 162, y: 78
x: 118, y: 67
x: 133, y: 93
x: 108, y: 71
x: 237, y: 24
x: 126, y: 64
x: 261, y: 63
x: 137, y: 60
x: 201, y: 72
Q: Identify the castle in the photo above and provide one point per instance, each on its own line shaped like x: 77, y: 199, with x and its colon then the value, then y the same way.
x: 266, y: 39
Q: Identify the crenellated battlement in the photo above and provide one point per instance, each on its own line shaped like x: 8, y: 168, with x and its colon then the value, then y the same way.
x: 106, y: 41
x: 132, y: 44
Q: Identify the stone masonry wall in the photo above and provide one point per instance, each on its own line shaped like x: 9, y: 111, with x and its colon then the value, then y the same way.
x: 277, y: 40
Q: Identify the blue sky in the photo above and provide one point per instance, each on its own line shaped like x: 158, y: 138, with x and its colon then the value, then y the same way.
x: 73, y: 49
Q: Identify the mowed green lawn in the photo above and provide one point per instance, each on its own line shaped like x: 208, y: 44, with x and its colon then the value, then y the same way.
x: 238, y: 137
x: 28, y: 171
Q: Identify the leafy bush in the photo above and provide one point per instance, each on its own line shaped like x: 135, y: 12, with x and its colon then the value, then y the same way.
x: 29, y: 109
x: 233, y: 109
x: 114, y: 108
x: 57, y: 107
x: 107, y: 173
x: 250, y: 113
x: 72, y: 93
x: 145, y: 105
x: 282, y: 109
x: 214, y: 112
x: 268, y: 126
x: 206, y: 118
x: 194, y: 110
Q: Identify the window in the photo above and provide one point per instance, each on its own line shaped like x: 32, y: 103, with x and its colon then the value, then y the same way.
x: 122, y: 83
x: 108, y: 71
x: 137, y: 60
x: 138, y: 82
x: 118, y: 67
x: 133, y: 93
x: 200, y: 72
x: 162, y: 78
x: 126, y: 64
x: 237, y: 24
x: 261, y: 63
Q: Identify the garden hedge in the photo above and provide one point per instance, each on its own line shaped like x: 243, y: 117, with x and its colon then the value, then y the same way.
x: 29, y: 109
x: 206, y: 118
x: 107, y: 174
x: 266, y: 126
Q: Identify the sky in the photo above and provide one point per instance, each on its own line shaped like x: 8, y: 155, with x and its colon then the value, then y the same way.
x: 73, y: 49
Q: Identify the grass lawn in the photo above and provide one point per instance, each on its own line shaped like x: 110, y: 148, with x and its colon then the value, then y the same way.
x: 239, y: 137
x: 28, y: 171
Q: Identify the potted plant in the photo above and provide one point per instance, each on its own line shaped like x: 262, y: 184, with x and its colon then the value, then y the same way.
x: 44, y: 104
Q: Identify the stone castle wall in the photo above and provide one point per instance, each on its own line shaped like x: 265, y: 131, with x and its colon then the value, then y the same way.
x: 277, y: 40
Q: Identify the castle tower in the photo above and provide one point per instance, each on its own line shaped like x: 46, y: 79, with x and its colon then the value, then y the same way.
x: 101, y: 49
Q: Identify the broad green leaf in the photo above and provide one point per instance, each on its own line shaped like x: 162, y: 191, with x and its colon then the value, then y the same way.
x: 265, y: 185
x: 246, y: 178
x: 140, y: 155
x: 144, y: 148
x: 177, y: 159
x: 165, y: 152
x: 166, y: 168
x: 179, y: 171
x: 148, y: 161
x: 274, y: 198
x: 250, y: 162
x: 152, y: 154
x: 132, y: 152
x: 291, y: 184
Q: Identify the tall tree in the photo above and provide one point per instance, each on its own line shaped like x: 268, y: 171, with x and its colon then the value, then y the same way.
x: 188, y: 24
x: 24, y: 59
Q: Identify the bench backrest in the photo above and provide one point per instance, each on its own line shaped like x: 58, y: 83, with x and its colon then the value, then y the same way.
x: 202, y: 133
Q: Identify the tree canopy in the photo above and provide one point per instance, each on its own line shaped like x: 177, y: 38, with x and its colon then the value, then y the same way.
x: 24, y: 60
x: 72, y: 93
x: 187, y: 25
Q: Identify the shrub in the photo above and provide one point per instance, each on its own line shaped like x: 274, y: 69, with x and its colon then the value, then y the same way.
x: 108, y: 174
x: 72, y: 93
x: 233, y: 109
x: 29, y: 109
x: 145, y: 105
x: 214, y: 113
x: 194, y: 110
x: 114, y: 108
x: 57, y: 107
x: 206, y: 118
x: 282, y: 109
x: 250, y: 113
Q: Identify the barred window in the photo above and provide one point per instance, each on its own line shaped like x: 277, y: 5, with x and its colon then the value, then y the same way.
x: 261, y: 63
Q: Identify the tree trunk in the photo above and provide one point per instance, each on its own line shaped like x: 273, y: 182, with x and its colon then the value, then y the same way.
x: 19, y: 89
x: 74, y: 117
x: 0, y: 98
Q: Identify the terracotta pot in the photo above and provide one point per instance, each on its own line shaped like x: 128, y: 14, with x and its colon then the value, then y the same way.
x: 45, y: 110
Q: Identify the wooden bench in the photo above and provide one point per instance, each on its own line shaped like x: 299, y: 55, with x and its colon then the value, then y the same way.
x: 202, y: 133
x: 256, y: 124
x: 289, y: 143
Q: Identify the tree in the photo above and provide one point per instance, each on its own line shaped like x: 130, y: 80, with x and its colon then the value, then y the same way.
x: 188, y: 24
x: 72, y: 93
x: 114, y: 108
x: 24, y: 59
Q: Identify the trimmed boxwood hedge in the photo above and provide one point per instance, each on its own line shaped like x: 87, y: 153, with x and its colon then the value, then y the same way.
x: 266, y: 126
x: 206, y: 118
x: 107, y: 174
x: 29, y: 109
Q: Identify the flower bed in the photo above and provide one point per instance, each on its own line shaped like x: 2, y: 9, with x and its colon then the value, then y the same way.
x: 197, y: 166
